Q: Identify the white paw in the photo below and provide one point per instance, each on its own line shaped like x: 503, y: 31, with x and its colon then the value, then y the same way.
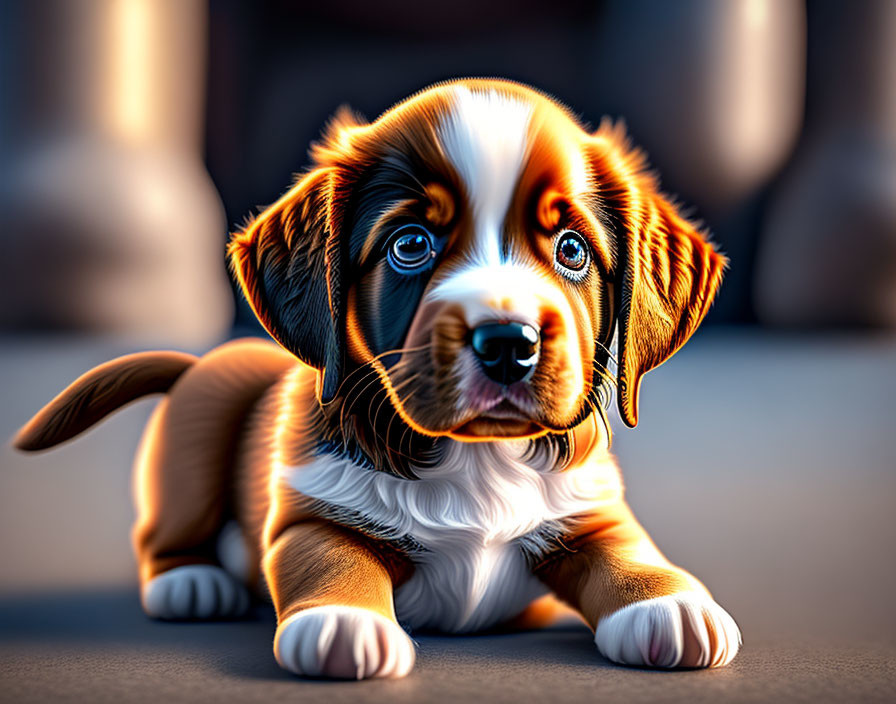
x: 683, y: 630
x: 343, y: 642
x: 194, y: 592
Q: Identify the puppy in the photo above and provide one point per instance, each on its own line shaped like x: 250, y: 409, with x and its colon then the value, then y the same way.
x: 427, y: 447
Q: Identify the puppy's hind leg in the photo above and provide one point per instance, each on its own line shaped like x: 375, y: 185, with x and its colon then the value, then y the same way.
x: 180, y: 511
x: 184, y: 482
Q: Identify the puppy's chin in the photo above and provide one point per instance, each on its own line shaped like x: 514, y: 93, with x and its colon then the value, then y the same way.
x: 504, y: 421
x: 501, y: 421
x: 485, y: 428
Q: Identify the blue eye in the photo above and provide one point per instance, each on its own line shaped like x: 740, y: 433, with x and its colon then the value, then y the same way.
x: 411, y: 248
x: 571, y: 256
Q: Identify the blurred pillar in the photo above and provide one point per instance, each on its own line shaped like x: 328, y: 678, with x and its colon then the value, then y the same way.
x: 714, y: 91
x: 828, y: 254
x: 110, y: 220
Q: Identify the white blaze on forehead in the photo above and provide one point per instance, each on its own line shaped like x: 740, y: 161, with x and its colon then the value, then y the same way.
x: 485, y: 137
x: 485, y: 291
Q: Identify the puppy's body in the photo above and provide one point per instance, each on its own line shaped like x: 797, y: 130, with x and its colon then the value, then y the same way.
x: 453, y: 274
x: 473, y: 527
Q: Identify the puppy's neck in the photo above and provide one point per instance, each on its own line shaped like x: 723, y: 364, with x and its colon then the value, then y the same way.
x: 372, y: 433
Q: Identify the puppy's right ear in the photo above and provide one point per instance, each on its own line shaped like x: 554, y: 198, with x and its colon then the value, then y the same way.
x: 289, y: 265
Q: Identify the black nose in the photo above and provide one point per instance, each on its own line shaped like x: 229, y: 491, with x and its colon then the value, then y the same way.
x: 507, y: 352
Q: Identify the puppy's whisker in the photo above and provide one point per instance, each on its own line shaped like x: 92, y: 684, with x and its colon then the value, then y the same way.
x: 346, y: 410
x: 407, y: 430
x: 373, y: 361
x: 409, y: 173
x: 403, y: 186
x: 369, y: 373
x: 375, y: 374
x: 376, y: 413
x: 397, y: 451
x: 395, y: 389
x: 381, y: 443
x: 609, y: 353
x: 395, y: 411
x: 604, y: 373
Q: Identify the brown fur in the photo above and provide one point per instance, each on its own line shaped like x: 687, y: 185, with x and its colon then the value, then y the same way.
x: 97, y: 393
x: 317, y: 563
x: 184, y: 469
x: 611, y: 563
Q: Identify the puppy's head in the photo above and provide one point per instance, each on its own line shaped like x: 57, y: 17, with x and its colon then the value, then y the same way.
x: 470, y: 255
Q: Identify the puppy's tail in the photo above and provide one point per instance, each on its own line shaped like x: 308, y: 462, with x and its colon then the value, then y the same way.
x: 103, y: 389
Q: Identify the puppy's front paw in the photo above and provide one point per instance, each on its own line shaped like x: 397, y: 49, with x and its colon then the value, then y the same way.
x: 683, y: 630
x: 194, y: 592
x: 343, y: 642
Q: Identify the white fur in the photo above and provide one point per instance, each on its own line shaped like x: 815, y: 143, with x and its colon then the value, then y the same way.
x: 486, y: 291
x: 687, y: 629
x: 469, y: 513
x: 233, y: 554
x: 194, y: 592
x: 485, y: 137
x: 343, y: 642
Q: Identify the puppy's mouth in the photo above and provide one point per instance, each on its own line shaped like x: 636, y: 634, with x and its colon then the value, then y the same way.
x: 503, y: 419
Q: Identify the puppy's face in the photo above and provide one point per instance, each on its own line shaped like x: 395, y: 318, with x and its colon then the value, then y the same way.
x: 481, y: 255
x: 471, y: 252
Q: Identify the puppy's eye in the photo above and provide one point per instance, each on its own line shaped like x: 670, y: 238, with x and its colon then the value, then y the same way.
x: 571, y: 255
x: 411, y: 249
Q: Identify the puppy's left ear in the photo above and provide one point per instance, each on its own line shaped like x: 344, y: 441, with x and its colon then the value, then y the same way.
x: 666, y: 273
x: 289, y: 265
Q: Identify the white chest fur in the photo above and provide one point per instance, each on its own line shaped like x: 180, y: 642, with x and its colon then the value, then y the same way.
x: 468, y: 514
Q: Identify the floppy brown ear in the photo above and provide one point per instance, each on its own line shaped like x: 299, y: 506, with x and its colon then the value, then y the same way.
x: 665, y: 274
x: 667, y: 277
x: 289, y: 265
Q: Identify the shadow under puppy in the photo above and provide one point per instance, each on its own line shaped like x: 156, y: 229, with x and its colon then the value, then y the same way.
x: 451, y: 277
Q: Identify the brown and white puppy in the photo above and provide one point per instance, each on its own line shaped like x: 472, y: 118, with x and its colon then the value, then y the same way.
x: 451, y: 277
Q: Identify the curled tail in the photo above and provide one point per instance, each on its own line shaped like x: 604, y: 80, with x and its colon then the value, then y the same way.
x: 103, y: 389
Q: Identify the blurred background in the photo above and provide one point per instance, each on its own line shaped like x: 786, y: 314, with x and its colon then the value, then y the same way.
x: 135, y: 134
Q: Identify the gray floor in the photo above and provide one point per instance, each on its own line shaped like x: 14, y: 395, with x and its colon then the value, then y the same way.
x: 764, y: 464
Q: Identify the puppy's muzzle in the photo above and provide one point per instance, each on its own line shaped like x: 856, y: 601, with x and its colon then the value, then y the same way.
x: 506, y: 352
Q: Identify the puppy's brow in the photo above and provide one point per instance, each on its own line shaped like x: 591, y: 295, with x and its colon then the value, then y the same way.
x: 441, y: 207
x: 550, y: 209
